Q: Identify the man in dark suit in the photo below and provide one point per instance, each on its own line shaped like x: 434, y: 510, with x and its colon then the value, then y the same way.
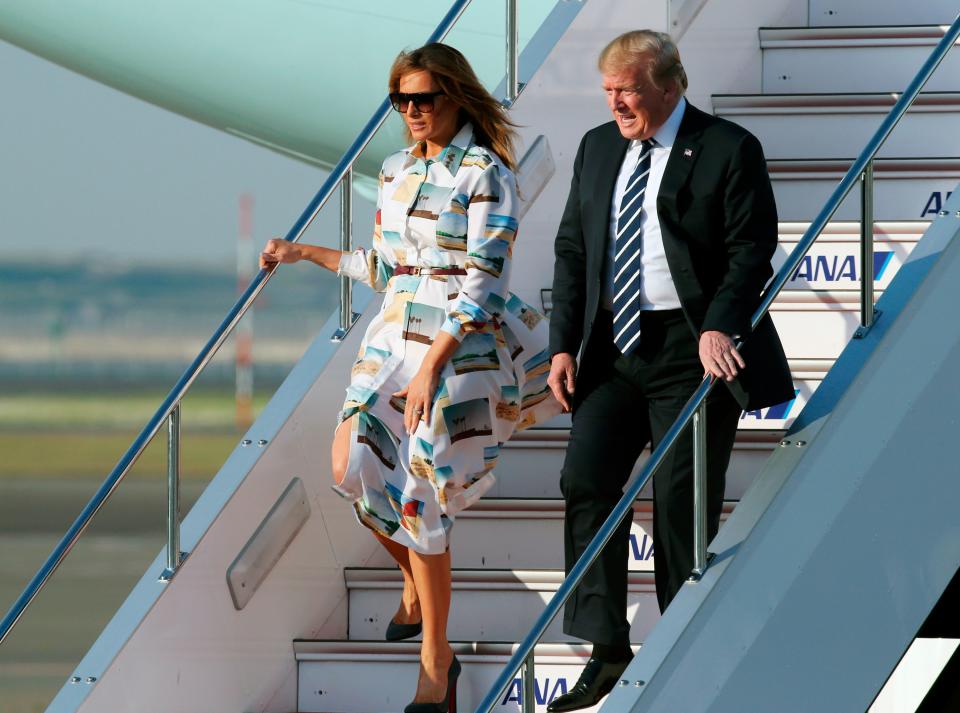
x: 661, y: 257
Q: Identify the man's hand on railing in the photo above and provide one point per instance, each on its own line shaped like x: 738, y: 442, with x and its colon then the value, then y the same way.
x: 719, y: 355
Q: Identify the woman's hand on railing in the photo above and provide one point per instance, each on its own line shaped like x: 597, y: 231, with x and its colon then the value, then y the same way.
x: 277, y: 251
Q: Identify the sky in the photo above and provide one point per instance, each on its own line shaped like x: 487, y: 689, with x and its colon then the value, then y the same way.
x: 89, y: 173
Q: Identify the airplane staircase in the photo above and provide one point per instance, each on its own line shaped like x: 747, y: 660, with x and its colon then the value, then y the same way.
x: 282, y: 602
x: 817, y: 315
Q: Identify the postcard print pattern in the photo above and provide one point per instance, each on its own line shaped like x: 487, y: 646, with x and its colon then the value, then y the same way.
x: 458, y: 209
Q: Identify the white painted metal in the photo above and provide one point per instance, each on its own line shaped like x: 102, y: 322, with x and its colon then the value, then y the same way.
x: 836, y: 125
x: 366, y: 677
x: 834, y: 263
x: 528, y: 534
x: 720, y: 51
x: 913, y: 677
x: 682, y: 13
x: 837, y: 59
x: 891, y: 12
x: 534, y: 172
x: 904, y: 189
x: 487, y: 605
x: 267, y: 544
x: 538, y: 463
x: 820, y: 330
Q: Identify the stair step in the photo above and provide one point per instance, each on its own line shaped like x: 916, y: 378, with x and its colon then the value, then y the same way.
x: 833, y: 263
x: 329, y: 671
x: 525, y: 534
x: 530, y: 462
x: 874, y: 59
x: 871, y: 12
x: 487, y: 605
x: 817, y: 325
x: 904, y: 189
x: 818, y: 125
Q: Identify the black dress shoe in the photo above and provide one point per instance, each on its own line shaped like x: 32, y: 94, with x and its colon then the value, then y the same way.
x: 399, y: 632
x: 596, y: 681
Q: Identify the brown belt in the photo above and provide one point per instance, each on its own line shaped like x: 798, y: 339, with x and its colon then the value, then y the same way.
x: 428, y: 270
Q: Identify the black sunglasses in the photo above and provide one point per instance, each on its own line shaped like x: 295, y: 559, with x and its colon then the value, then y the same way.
x: 422, y: 100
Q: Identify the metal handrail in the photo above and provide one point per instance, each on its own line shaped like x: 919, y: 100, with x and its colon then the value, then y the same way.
x: 695, y: 403
x: 173, y: 399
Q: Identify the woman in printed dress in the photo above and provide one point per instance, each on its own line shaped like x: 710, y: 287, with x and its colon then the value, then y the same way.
x: 453, y: 363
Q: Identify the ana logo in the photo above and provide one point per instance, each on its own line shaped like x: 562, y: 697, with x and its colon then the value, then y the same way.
x: 774, y: 413
x: 935, y: 203
x: 839, y: 268
x: 641, y: 550
x: 515, y: 692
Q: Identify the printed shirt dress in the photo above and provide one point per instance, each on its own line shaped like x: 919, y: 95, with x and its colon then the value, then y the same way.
x: 458, y: 209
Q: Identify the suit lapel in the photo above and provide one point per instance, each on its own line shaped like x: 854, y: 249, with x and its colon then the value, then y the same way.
x: 686, y: 150
x: 684, y: 154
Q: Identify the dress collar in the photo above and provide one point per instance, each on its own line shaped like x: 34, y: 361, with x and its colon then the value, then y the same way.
x: 452, y: 154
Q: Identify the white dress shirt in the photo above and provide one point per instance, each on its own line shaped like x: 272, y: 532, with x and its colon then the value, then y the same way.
x: 657, y: 290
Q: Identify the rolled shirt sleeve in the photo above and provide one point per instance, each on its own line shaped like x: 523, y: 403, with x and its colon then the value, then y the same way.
x: 491, y: 230
x: 374, y: 266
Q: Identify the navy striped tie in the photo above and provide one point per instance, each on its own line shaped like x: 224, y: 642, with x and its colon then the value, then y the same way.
x: 626, y: 264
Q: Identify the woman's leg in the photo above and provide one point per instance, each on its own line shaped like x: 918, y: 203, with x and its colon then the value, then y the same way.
x: 431, y: 574
x: 409, y: 611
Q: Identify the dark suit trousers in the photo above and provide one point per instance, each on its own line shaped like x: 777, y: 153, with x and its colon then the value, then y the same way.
x: 622, y: 403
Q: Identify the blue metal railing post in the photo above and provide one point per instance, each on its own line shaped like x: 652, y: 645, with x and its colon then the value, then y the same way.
x: 866, y: 250
x: 699, y: 492
x: 174, y: 556
x: 347, y: 315
x: 512, y: 55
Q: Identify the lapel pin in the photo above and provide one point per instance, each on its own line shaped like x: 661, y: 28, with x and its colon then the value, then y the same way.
x: 688, y: 153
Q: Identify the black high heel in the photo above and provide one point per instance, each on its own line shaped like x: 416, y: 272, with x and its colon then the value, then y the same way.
x: 449, y: 702
x: 399, y: 632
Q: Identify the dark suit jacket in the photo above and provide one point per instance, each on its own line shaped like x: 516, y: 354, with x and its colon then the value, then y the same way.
x: 719, y: 224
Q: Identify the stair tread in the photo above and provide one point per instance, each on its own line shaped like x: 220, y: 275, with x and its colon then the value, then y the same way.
x: 515, y: 506
x: 885, y: 165
x: 884, y: 98
x: 466, y: 574
x: 851, y: 35
x: 307, y: 649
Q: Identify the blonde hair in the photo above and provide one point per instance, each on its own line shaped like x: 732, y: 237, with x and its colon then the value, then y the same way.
x: 456, y: 78
x: 654, y: 50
